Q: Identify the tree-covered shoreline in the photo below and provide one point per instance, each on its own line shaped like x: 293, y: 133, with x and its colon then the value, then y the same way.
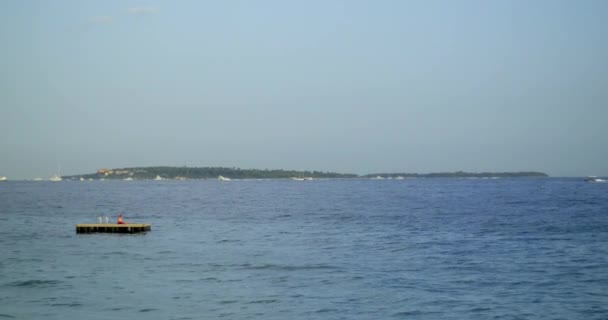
x: 183, y: 173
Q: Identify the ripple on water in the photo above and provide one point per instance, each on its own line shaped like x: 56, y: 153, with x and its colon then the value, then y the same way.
x: 211, y: 279
x: 279, y: 267
x: 74, y: 304
x: 35, y: 283
x: 413, y: 313
x: 228, y: 241
x: 263, y: 301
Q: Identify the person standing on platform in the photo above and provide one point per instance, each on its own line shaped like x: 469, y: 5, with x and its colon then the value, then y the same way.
x: 120, y: 221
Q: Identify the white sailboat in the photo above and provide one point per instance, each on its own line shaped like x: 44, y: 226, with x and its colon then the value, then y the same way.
x: 57, y: 176
x: 222, y: 178
x: 594, y: 179
x: 3, y: 178
x: 301, y: 177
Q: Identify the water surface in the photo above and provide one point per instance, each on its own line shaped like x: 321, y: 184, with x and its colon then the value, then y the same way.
x: 323, y: 249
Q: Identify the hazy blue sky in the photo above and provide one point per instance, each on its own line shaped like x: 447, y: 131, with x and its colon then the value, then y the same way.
x: 348, y: 86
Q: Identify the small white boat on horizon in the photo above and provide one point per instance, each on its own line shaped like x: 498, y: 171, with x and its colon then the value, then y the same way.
x: 222, y: 178
x: 158, y: 178
x: 594, y: 179
x: 57, y: 176
x: 3, y: 178
x: 301, y: 178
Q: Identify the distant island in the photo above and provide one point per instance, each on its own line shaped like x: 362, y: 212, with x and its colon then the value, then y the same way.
x: 184, y: 173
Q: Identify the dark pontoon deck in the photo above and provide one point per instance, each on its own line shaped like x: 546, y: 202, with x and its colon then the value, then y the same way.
x: 112, y: 228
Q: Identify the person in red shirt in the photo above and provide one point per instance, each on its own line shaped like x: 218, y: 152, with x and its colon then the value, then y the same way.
x: 120, y: 219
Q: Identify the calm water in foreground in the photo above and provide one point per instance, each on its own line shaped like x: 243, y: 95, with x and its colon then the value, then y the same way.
x: 326, y: 249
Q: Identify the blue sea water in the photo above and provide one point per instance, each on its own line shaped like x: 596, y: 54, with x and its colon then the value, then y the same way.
x: 323, y: 249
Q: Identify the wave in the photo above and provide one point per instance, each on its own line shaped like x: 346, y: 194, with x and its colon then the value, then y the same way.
x: 228, y: 240
x: 413, y: 313
x: 263, y: 301
x: 210, y: 279
x: 184, y: 280
x: 75, y: 304
x: 408, y: 313
x: 35, y: 283
x: 270, y: 266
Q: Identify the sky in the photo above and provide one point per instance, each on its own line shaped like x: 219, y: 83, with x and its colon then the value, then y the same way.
x: 344, y: 85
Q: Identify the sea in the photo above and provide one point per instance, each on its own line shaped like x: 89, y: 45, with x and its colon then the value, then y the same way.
x: 522, y: 248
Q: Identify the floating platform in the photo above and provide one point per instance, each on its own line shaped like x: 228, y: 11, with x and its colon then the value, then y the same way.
x: 112, y: 228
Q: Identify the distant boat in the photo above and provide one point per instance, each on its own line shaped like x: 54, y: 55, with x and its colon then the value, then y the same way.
x: 594, y: 179
x: 3, y: 178
x: 57, y: 176
x: 297, y: 179
x: 128, y: 179
x: 378, y: 178
x: 399, y: 178
x: 222, y: 178
x: 81, y: 179
x: 158, y: 178
x: 38, y: 179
